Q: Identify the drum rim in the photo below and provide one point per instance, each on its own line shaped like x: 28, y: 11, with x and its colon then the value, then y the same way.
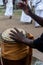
x: 6, y: 41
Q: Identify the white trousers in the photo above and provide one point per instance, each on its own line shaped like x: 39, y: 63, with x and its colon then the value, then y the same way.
x: 9, y: 10
x: 24, y: 17
x: 39, y: 13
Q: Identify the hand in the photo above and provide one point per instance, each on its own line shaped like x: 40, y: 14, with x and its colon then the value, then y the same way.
x: 24, y: 6
x: 17, y: 36
x: 21, y: 5
x: 24, y: 1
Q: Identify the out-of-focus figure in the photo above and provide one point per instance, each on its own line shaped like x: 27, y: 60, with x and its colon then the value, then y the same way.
x: 9, y: 8
x: 25, y: 18
x: 38, y: 7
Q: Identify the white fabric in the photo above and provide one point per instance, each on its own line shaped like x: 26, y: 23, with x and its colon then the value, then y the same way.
x: 38, y: 63
x: 1, y: 2
x: 29, y: 3
x: 9, y: 8
x: 39, y: 13
x: 38, y: 4
x: 34, y: 2
x: 24, y: 17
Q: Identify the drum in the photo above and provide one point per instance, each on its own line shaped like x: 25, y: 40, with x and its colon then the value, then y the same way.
x: 0, y: 62
x: 16, y: 53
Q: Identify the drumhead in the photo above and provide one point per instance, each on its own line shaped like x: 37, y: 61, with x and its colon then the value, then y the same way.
x: 6, y: 36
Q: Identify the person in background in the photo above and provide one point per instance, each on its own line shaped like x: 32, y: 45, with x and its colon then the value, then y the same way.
x: 19, y: 37
x: 9, y: 8
x: 38, y: 7
x: 25, y: 18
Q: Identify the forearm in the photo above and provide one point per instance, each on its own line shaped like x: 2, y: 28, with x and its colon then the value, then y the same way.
x: 28, y: 11
x: 36, y: 18
x: 36, y: 44
x: 29, y: 42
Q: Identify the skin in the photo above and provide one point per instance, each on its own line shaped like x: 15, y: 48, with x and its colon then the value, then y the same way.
x: 19, y: 37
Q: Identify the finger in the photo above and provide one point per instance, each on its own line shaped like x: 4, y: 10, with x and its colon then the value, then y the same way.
x: 13, y: 35
x: 12, y: 38
x: 21, y: 5
x: 13, y: 32
x: 21, y: 32
x: 17, y: 30
x: 15, y: 40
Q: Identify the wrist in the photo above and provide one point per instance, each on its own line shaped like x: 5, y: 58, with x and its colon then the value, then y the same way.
x: 28, y: 42
x: 29, y: 10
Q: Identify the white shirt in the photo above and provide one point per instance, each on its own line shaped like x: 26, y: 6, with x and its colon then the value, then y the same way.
x: 38, y: 4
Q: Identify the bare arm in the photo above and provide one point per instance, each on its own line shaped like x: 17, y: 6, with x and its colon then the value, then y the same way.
x: 19, y: 37
x: 36, y: 18
x: 28, y: 11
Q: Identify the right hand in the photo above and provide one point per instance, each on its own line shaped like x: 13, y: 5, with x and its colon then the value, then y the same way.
x: 22, y: 5
x: 20, y: 37
x: 17, y: 36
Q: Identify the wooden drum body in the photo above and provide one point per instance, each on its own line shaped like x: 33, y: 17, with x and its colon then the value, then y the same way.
x: 19, y: 53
